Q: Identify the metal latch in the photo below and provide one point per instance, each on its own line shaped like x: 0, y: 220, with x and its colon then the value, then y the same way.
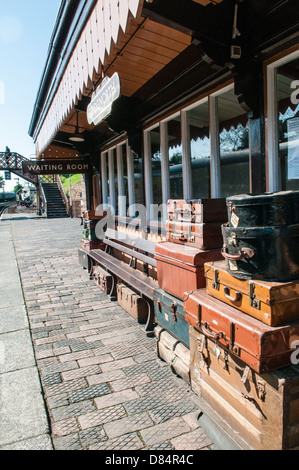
x: 216, y: 282
x: 254, y: 302
x: 261, y: 390
x: 174, y: 307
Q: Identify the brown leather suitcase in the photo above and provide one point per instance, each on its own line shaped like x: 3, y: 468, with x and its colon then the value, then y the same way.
x: 91, y: 215
x: 198, y: 211
x: 263, y: 348
x: 261, y: 409
x: 180, y: 268
x: 102, y: 279
x: 273, y: 303
x: 92, y: 245
x: 132, y: 303
x: 202, y: 236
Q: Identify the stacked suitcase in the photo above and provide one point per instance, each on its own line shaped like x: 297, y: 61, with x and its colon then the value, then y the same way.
x: 244, y: 326
x: 89, y: 239
x: 193, y: 237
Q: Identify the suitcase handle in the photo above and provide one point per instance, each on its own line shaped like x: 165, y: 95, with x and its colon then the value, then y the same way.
x: 237, y: 298
x: 246, y: 253
x: 180, y: 237
x: 205, y: 327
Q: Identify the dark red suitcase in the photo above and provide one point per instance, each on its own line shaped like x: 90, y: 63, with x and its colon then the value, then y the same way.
x: 202, y: 236
x: 181, y: 268
x: 263, y: 348
x: 197, y: 211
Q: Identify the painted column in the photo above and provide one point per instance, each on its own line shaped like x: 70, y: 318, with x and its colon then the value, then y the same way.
x: 186, y: 161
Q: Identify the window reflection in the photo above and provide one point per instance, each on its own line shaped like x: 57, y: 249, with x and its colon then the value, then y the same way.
x: 156, y: 165
x: 175, y: 155
x: 234, y: 145
x: 198, y: 118
x: 288, y: 126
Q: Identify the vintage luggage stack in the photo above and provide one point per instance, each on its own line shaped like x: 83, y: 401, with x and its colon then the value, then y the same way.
x: 261, y: 409
x: 244, y: 327
x: 196, y: 223
x: 180, y: 260
x: 194, y: 237
x: 89, y: 239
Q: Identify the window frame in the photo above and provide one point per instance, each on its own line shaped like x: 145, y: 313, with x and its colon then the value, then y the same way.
x: 272, y: 135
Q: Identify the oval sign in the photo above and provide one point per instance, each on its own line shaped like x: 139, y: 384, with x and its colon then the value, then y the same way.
x: 102, y: 99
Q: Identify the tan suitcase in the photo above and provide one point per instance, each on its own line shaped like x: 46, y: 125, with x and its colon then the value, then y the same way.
x: 262, y: 409
x: 273, y: 303
x: 132, y: 303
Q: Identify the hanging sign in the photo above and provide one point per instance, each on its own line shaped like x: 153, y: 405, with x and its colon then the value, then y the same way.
x: 57, y: 167
x: 102, y: 99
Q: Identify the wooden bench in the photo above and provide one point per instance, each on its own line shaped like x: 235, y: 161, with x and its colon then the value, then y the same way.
x: 136, y: 249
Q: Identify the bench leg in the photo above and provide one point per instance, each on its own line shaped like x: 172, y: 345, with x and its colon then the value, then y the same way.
x: 113, y: 292
x: 150, y: 325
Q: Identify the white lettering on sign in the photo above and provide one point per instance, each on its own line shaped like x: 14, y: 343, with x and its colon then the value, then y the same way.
x: 102, y: 100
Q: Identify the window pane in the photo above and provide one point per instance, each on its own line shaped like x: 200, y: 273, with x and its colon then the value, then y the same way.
x: 156, y: 165
x: 125, y: 178
x: 234, y: 145
x: 175, y: 153
x: 288, y: 125
x: 200, y: 151
x: 138, y: 179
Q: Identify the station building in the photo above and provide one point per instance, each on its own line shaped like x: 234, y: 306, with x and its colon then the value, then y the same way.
x: 172, y: 100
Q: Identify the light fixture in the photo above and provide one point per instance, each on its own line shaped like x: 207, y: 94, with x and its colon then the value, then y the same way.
x: 77, y: 137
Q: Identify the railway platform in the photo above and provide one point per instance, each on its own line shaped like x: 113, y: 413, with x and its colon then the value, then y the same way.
x: 76, y: 371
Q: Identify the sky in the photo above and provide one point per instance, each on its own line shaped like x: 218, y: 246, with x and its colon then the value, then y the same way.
x: 26, y: 27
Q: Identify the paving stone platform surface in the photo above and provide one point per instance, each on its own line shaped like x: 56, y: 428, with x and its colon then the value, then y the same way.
x: 84, y: 366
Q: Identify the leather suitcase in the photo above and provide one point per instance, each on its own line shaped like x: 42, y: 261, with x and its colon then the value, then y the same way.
x: 202, y: 236
x: 269, y: 253
x: 132, y: 303
x: 273, y: 303
x: 269, y: 209
x: 198, y: 211
x: 90, y: 225
x: 102, y: 279
x: 261, y: 409
x: 92, y: 245
x: 263, y: 348
x: 180, y: 268
x: 173, y: 352
x: 91, y: 215
x: 89, y: 235
x: 170, y: 315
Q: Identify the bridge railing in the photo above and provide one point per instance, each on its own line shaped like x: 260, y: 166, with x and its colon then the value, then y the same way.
x: 11, y: 161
